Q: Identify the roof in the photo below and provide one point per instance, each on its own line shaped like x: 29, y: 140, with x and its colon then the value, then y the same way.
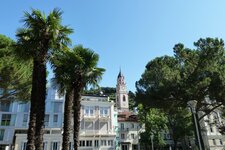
x: 120, y: 74
x: 95, y: 95
x: 127, y: 117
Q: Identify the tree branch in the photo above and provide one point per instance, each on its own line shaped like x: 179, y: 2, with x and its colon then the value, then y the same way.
x: 206, y: 113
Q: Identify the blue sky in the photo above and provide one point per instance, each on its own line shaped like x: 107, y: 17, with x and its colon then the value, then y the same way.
x: 126, y: 33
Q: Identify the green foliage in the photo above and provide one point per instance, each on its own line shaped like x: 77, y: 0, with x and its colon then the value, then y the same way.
x: 191, y: 74
x: 42, y: 33
x: 15, y: 74
x: 146, y: 140
x: 104, y: 90
x: 169, y: 82
x: 155, y: 121
x: 72, y: 65
x: 132, y: 103
x: 180, y: 123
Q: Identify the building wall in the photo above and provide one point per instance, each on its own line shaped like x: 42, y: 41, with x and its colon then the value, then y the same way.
x: 97, y: 122
x: 129, y: 133
x: 213, y: 139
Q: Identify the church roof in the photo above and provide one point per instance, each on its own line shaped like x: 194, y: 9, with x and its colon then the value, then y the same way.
x: 120, y: 74
x: 127, y: 117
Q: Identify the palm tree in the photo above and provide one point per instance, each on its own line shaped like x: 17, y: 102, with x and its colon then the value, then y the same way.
x: 40, y: 37
x: 75, y: 70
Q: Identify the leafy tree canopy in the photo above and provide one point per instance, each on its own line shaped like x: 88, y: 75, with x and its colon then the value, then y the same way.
x: 191, y: 74
x: 15, y: 74
x: 155, y: 121
x: 180, y: 125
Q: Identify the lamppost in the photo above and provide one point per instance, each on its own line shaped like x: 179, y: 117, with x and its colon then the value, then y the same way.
x: 138, y: 136
x: 139, y: 143
x: 192, y: 104
x: 152, y: 136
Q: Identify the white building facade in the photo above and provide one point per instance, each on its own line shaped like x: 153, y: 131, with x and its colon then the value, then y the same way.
x: 97, y: 131
x: 213, y: 139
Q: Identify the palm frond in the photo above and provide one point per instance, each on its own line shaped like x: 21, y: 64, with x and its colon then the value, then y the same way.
x: 77, y: 65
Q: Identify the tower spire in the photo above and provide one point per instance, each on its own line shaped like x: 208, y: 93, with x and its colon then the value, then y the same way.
x: 120, y: 73
x: 121, y: 93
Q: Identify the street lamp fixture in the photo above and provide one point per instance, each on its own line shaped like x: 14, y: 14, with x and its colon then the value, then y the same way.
x: 192, y: 104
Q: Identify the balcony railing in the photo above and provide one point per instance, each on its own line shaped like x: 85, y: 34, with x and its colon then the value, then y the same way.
x: 89, y: 117
x: 104, y: 117
x: 97, y: 132
x: 123, y: 129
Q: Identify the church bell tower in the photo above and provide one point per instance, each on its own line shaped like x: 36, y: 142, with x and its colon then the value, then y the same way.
x: 121, y: 93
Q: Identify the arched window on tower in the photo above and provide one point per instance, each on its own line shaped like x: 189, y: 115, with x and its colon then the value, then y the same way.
x: 124, y: 98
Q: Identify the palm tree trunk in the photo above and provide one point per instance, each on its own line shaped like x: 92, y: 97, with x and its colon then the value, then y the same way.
x: 34, y: 99
x: 40, y: 108
x: 76, y: 113
x: 68, y: 109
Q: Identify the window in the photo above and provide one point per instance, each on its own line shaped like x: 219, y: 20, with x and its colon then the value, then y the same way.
x: 89, y: 111
x: 103, y: 111
x: 89, y: 125
x: 82, y: 143
x: 103, y: 142
x: 57, y: 107
x: 132, y: 136
x: 55, y: 119
x: 2, y: 131
x: 1, y: 89
x: 103, y: 126
x: 46, y: 120
x: 132, y: 125
x: 89, y: 143
x: 23, y: 107
x: 221, y: 142
x: 211, y: 128
x: 5, y: 106
x: 23, y: 145
x: 96, y: 143
x: 125, y: 147
x: 110, y: 142
x: 165, y: 136
x: 6, y: 118
x: 86, y: 111
x: 122, y: 126
x: 71, y: 146
x: 135, y: 147
x: 168, y: 136
x: 57, y: 96
x: 215, y: 116
x: 25, y: 119
x: 45, y: 145
x: 140, y: 126
x: 214, y: 141
x: 55, y: 146
x: 217, y: 129
x: 124, y: 98
x: 122, y: 136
